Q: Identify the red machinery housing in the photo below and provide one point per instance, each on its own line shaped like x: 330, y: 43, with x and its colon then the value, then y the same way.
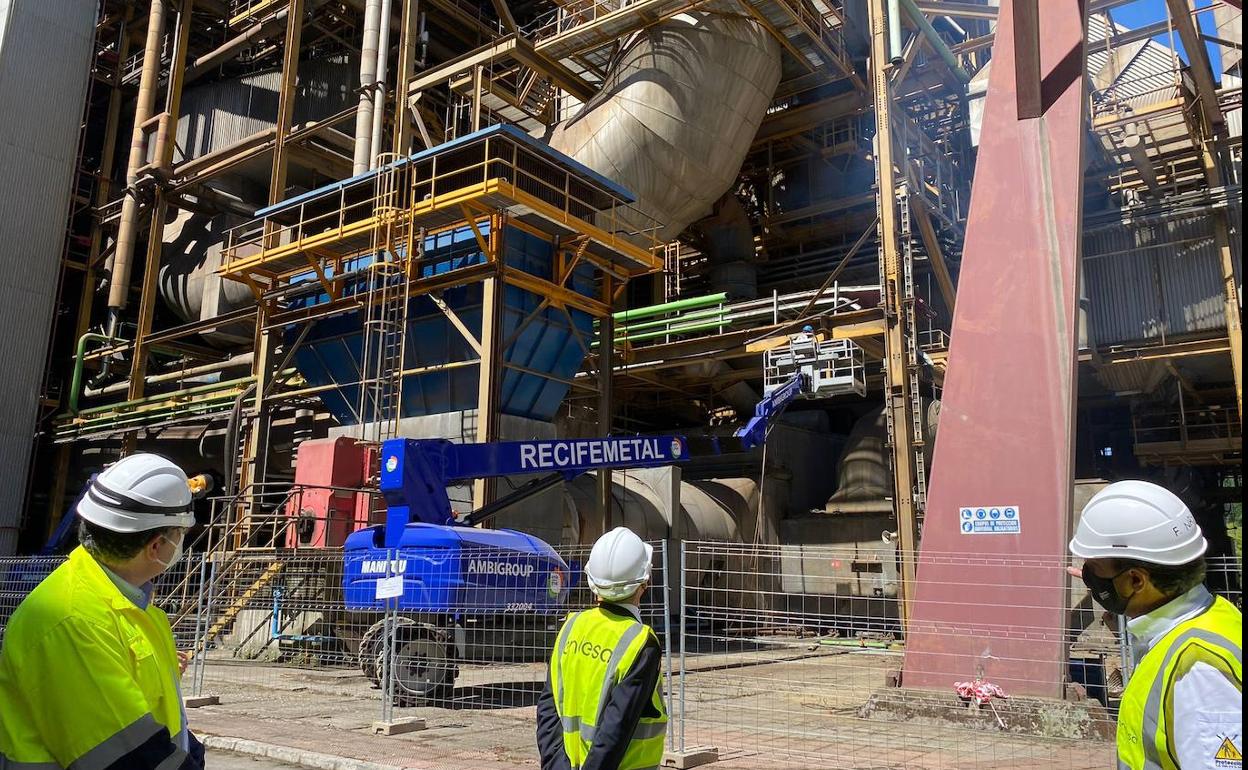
x: 328, y: 503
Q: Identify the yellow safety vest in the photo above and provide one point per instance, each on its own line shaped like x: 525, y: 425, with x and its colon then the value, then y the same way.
x: 594, y: 652
x: 1145, y: 723
x: 85, y: 675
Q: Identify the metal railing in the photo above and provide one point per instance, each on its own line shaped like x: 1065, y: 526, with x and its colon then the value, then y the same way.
x: 403, y: 194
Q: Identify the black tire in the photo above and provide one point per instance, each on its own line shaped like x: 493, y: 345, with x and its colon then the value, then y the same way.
x: 424, y: 666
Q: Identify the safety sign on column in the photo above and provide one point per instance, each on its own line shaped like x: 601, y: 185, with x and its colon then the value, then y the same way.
x: 990, y: 520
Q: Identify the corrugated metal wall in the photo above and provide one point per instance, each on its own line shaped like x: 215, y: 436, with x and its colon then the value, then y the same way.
x: 45, y: 53
x: 219, y: 114
x: 1160, y: 278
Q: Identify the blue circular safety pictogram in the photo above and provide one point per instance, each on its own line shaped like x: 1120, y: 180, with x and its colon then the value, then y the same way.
x: 1010, y: 513
x: 981, y: 514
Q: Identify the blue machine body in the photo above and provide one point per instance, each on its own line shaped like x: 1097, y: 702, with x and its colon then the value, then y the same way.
x: 455, y: 570
x: 449, y: 568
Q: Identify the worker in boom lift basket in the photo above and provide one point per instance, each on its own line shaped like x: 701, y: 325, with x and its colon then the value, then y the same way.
x: 1144, y: 558
x: 602, y: 709
x: 88, y: 671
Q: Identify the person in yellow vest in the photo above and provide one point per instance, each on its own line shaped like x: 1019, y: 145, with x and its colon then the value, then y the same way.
x: 1144, y: 558
x: 601, y: 708
x: 88, y: 669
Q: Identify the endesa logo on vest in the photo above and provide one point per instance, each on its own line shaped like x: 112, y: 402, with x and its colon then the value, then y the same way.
x: 501, y: 568
x: 588, y: 649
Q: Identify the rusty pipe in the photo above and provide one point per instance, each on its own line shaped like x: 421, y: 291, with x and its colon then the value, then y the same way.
x: 119, y: 281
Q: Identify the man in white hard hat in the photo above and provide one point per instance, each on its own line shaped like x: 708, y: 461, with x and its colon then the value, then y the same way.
x: 88, y: 671
x: 602, y: 709
x: 1144, y: 558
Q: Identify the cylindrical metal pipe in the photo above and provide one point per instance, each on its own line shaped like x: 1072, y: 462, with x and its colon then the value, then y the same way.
x: 368, y: 76
x: 379, y: 94
x: 229, y: 48
x: 894, y: 31
x: 624, y: 316
x: 934, y: 40
x: 240, y: 360
x: 119, y: 286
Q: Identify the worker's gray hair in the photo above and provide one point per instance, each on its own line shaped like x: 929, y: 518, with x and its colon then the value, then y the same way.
x: 115, y: 547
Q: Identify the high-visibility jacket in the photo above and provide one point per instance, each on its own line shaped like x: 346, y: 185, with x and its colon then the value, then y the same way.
x: 594, y: 652
x: 1145, y: 717
x: 87, y: 677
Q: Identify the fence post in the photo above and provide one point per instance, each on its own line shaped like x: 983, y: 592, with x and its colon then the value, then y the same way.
x: 667, y: 640
x: 390, y: 625
x: 683, y: 609
x: 202, y: 641
x: 199, y: 623
x: 387, y: 666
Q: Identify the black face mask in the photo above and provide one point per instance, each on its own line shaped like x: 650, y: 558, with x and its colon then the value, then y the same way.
x: 1104, y: 591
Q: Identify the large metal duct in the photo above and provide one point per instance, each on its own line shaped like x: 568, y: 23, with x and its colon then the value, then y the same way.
x: 864, y: 476
x: 677, y: 114
x: 189, y: 284
x: 214, y: 116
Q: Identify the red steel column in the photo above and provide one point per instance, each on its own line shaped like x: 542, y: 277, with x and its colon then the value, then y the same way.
x: 1007, y: 417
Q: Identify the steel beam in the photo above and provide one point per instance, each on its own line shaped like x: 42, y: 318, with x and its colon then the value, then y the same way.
x: 606, y: 405
x: 1027, y: 58
x: 1008, y: 406
x: 897, y: 379
x: 485, y: 490
x: 286, y: 100
x: 1198, y: 57
x: 156, y: 230
x: 957, y: 10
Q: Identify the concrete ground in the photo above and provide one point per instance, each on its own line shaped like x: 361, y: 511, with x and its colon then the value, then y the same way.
x: 792, y: 708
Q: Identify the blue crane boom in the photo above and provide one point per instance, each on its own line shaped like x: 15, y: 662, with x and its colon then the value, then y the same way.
x: 766, y: 411
x: 416, y: 472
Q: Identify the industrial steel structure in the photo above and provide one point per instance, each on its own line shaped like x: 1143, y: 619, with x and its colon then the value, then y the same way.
x: 292, y: 220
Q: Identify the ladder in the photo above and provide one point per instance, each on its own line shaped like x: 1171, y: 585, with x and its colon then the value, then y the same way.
x: 385, y: 316
x: 913, y: 357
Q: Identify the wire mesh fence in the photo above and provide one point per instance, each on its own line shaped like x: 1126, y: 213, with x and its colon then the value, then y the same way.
x: 18, y: 577
x: 798, y: 652
x: 790, y: 656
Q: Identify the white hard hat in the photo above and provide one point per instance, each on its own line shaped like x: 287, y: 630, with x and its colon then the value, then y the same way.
x: 138, y: 493
x: 618, y: 564
x: 1141, y: 521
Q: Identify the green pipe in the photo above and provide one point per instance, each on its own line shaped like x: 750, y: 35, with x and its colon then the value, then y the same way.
x: 678, y: 329
x: 75, y: 388
x: 625, y: 331
x: 934, y: 40
x: 669, y: 307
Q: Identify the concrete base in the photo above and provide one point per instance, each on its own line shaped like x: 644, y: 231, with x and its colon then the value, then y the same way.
x: 694, y: 757
x: 201, y: 700
x: 1022, y: 715
x: 399, y: 726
